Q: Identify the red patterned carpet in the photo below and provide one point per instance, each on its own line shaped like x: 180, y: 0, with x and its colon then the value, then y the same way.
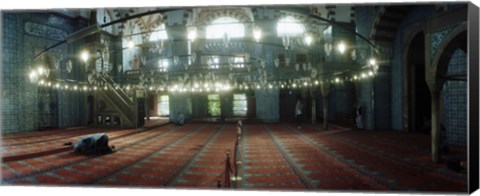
x: 270, y: 157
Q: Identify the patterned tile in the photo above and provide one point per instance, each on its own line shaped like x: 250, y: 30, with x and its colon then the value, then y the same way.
x: 23, y: 35
x: 455, y: 101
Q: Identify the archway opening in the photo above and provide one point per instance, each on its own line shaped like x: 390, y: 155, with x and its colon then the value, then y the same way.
x: 90, y: 110
x: 419, y: 101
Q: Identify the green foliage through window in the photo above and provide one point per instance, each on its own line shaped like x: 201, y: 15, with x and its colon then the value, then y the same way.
x: 214, y: 105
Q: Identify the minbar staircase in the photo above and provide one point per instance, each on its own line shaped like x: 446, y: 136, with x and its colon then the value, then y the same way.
x: 121, y: 110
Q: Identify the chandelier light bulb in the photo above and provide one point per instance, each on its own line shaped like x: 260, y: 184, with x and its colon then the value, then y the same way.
x: 40, y: 70
x: 341, y: 47
x: 131, y: 44
x: 372, y: 61
x: 308, y: 40
x: 33, y: 75
x: 192, y: 34
x: 84, y: 56
x: 257, y: 34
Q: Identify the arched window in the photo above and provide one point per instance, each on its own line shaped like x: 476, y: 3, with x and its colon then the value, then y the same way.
x: 225, y: 25
x: 289, y: 26
x: 163, y: 108
x: 127, y: 55
x: 136, y: 36
x: 102, y: 18
x: 131, y: 51
x: 160, y: 33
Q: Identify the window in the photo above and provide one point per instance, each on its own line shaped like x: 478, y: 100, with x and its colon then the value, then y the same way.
x: 163, y: 65
x: 213, y: 62
x: 214, y: 105
x: 225, y: 25
x: 290, y: 27
x: 137, y: 36
x: 239, y: 104
x: 102, y: 18
x: 163, y: 108
x: 127, y: 55
x: 159, y: 34
x: 131, y: 55
x: 238, y: 62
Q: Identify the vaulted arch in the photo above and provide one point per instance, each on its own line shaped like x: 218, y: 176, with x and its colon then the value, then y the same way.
x: 207, y: 16
x: 387, y: 22
x: 457, y: 39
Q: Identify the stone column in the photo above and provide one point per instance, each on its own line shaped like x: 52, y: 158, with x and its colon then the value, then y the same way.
x: 325, y: 112
x: 325, y: 89
x: 435, y: 86
x: 435, y: 126
x: 314, y: 106
x: 147, y: 109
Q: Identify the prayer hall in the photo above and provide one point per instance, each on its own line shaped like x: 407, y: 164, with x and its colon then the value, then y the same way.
x: 318, y: 97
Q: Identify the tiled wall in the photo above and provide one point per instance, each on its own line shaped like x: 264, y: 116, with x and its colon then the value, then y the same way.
x: 416, y: 16
x: 23, y: 36
x: 455, y: 100
x: 267, y: 105
x: 344, y: 97
x: 382, y: 106
x: 180, y: 103
x: 397, y: 84
x: 11, y: 70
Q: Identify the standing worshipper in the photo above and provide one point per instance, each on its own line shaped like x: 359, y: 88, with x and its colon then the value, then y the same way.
x: 298, y: 112
x: 358, y: 118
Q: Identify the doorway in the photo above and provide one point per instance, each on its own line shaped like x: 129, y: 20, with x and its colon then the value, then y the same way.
x: 90, y: 108
x: 419, y: 101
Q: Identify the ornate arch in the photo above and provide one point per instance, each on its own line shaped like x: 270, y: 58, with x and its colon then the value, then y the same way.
x: 207, y: 16
x: 457, y: 38
x: 420, y: 28
x: 141, y: 24
x: 387, y: 22
x: 153, y: 21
